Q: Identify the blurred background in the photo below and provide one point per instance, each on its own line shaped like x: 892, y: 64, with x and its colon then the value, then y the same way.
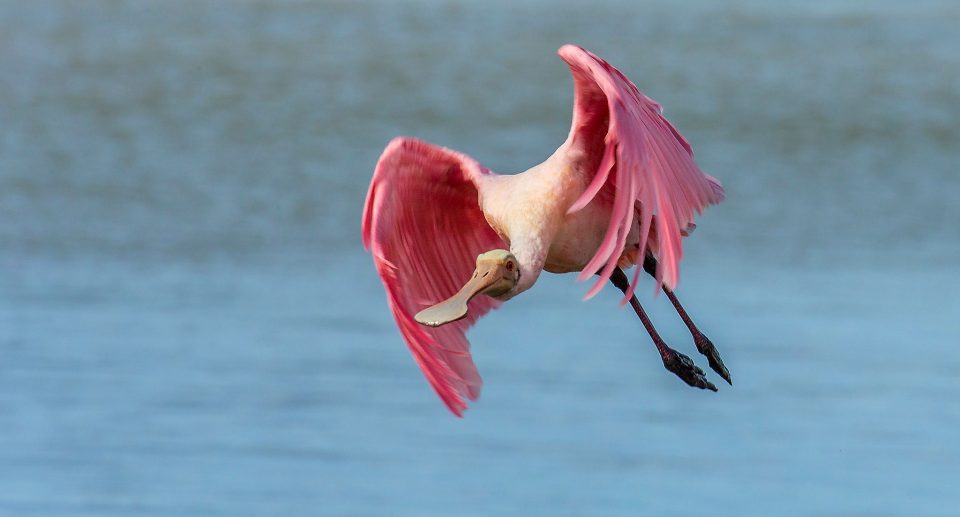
x: 189, y: 325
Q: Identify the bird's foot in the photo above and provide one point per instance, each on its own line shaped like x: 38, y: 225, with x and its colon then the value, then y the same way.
x: 713, y: 356
x: 684, y: 368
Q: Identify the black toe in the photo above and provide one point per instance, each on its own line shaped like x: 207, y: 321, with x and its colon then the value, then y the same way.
x: 713, y: 357
x: 689, y: 372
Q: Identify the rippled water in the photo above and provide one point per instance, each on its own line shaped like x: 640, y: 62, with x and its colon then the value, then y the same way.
x: 188, y: 324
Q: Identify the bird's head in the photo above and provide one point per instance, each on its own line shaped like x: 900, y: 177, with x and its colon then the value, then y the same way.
x: 496, y: 274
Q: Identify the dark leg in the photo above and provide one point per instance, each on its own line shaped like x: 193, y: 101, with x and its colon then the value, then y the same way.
x: 673, y: 361
x: 704, y: 345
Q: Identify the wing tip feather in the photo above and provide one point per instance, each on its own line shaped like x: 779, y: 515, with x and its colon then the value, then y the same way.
x: 569, y: 50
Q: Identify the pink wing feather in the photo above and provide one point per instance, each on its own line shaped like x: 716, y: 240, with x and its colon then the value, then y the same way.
x: 424, y: 226
x: 646, y: 163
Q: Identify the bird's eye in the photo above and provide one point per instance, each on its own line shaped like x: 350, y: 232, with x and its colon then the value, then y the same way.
x: 509, y: 266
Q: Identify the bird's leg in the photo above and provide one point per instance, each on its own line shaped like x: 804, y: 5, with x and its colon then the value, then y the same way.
x: 704, y: 345
x: 673, y: 361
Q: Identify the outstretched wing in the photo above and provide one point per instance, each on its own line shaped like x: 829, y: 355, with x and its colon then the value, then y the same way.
x: 423, y: 224
x: 646, y: 163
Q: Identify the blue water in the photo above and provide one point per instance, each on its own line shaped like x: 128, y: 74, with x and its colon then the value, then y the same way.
x: 189, y: 326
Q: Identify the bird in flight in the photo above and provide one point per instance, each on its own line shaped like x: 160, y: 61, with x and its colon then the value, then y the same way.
x: 452, y: 240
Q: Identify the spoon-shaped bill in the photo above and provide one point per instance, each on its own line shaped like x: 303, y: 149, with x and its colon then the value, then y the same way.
x: 485, y: 278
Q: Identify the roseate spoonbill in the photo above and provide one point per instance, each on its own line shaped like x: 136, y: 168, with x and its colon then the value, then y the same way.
x: 622, y: 190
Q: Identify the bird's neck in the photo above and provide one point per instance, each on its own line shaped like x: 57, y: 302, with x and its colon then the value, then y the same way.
x: 528, y: 209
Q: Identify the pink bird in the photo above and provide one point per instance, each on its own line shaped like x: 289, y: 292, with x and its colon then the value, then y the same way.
x: 451, y: 240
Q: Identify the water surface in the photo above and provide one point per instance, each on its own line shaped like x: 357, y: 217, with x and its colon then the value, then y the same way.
x: 189, y: 326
